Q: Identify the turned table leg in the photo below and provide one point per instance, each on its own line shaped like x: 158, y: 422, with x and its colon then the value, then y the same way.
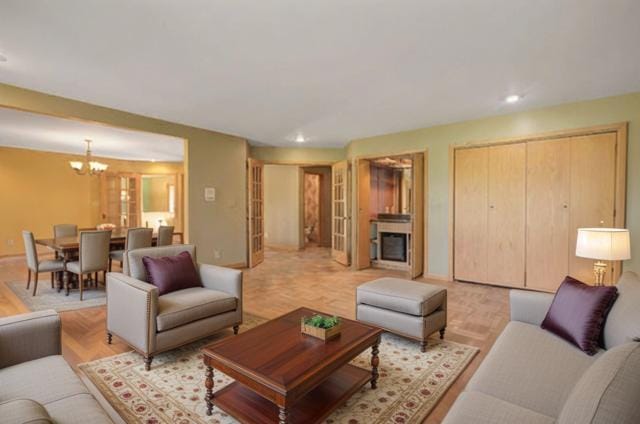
x: 208, y: 383
x: 283, y: 415
x: 374, y: 364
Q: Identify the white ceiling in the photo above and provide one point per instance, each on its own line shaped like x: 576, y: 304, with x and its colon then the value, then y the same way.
x: 41, y: 132
x: 333, y: 70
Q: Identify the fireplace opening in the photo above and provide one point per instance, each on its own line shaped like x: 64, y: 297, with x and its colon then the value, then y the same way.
x: 393, y: 247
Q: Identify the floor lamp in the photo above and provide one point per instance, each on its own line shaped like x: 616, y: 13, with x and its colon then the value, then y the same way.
x: 603, y: 244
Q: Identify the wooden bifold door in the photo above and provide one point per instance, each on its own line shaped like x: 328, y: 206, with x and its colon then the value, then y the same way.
x: 340, y: 212
x: 517, y: 208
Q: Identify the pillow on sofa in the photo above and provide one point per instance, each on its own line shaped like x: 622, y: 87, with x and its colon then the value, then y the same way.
x: 578, y: 312
x: 171, y: 273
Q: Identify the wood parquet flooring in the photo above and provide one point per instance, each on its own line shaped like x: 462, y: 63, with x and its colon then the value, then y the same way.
x: 285, y: 281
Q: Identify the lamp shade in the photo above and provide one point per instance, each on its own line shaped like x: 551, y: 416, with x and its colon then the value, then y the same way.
x: 606, y: 244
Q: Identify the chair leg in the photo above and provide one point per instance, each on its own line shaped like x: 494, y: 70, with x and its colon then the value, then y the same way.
x: 423, y: 346
x: 109, y: 337
x: 52, y: 274
x: 236, y: 328
x: 110, y: 262
x: 442, y: 332
x: 96, y: 279
x: 28, y: 278
x: 147, y: 362
x: 81, y: 284
x: 35, y: 283
x: 104, y: 278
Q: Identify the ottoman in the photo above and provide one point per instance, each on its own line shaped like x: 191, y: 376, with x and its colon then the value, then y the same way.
x: 404, y: 307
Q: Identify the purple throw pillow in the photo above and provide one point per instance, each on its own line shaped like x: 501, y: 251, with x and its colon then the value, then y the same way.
x: 171, y: 273
x: 578, y: 312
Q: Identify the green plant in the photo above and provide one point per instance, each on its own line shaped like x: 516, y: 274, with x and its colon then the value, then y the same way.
x: 320, y: 321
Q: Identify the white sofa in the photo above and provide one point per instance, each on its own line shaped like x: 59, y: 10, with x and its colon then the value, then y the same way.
x: 37, y: 386
x: 530, y: 376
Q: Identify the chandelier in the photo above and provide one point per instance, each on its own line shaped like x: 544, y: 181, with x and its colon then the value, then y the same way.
x: 88, y: 166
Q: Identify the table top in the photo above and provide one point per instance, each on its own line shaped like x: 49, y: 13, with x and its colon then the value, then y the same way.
x: 118, y: 236
x: 279, y: 356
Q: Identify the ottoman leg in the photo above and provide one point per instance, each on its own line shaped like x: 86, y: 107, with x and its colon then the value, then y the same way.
x: 442, y: 332
x: 423, y: 346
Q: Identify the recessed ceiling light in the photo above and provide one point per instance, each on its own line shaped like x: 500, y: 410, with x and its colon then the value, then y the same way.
x: 153, y: 160
x: 300, y: 139
x: 512, y: 98
x: 3, y: 58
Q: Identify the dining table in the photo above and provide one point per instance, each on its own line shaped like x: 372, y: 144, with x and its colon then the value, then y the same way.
x: 67, y: 249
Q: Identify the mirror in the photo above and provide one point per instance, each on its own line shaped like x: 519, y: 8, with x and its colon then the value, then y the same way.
x: 158, y: 193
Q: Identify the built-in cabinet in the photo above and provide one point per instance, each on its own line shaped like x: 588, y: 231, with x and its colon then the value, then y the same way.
x: 517, y: 208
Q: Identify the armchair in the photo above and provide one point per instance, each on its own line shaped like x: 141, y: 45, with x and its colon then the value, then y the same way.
x: 151, y: 323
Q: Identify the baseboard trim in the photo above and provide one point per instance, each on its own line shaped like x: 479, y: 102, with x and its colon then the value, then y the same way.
x: 237, y: 265
x: 437, y: 277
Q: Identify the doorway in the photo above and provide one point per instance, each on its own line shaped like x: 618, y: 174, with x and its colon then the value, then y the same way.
x: 316, y: 197
x: 390, y: 221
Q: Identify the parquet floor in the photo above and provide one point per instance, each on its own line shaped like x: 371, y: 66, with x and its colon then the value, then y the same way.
x: 287, y: 280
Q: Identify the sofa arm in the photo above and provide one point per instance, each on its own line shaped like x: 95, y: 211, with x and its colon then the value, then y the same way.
x: 530, y: 307
x: 223, y: 279
x: 30, y: 336
x: 132, y: 307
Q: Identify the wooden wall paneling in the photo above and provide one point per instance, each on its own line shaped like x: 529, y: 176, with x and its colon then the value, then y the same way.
x: 471, y: 201
x: 593, y: 174
x: 363, y: 259
x: 417, y: 216
x: 506, y: 225
x: 548, y: 198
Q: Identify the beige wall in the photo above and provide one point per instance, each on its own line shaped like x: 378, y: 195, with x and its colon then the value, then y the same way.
x: 567, y: 116
x: 297, y: 155
x: 211, y: 159
x: 282, y: 205
x: 38, y: 190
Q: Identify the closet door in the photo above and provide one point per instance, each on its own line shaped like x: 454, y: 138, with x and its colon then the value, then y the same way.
x: 548, y: 199
x: 593, y: 159
x: 506, y: 225
x: 470, y: 214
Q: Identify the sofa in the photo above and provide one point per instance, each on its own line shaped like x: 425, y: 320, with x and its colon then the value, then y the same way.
x: 530, y: 376
x: 36, y: 384
x: 151, y: 323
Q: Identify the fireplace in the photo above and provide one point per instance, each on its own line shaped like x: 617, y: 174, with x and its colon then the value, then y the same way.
x: 393, y: 247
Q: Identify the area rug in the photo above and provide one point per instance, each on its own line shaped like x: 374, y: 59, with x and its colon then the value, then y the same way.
x: 48, y: 298
x: 410, y: 383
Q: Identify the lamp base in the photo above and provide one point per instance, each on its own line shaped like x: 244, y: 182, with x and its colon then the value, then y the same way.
x: 599, y: 270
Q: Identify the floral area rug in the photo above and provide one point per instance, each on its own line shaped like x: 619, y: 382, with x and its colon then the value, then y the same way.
x: 409, y: 386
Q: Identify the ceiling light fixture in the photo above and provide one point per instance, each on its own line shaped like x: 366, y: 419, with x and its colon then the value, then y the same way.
x: 512, y: 98
x: 300, y: 139
x: 88, y: 166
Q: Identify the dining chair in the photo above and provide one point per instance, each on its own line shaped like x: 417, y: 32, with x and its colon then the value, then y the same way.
x: 165, y: 235
x: 93, y: 256
x: 137, y: 238
x: 36, y: 266
x: 65, y: 230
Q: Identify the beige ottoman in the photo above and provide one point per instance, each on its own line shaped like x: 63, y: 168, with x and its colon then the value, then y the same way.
x: 404, y: 307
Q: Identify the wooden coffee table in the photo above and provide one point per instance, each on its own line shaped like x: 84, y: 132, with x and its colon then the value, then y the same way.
x: 283, y: 376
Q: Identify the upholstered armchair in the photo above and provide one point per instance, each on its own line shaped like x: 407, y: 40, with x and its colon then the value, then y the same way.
x: 151, y: 323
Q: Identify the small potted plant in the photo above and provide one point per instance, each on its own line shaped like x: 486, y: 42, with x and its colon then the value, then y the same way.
x: 321, y: 327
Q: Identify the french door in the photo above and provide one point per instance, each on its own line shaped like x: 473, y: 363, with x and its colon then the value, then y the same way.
x: 255, y: 211
x: 340, y: 212
x: 120, y: 199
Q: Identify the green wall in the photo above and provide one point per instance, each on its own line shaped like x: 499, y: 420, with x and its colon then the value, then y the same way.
x: 212, y: 159
x: 437, y: 140
x: 297, y: 155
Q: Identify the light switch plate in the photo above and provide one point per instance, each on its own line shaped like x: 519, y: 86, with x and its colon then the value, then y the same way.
x: 209, y: 194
